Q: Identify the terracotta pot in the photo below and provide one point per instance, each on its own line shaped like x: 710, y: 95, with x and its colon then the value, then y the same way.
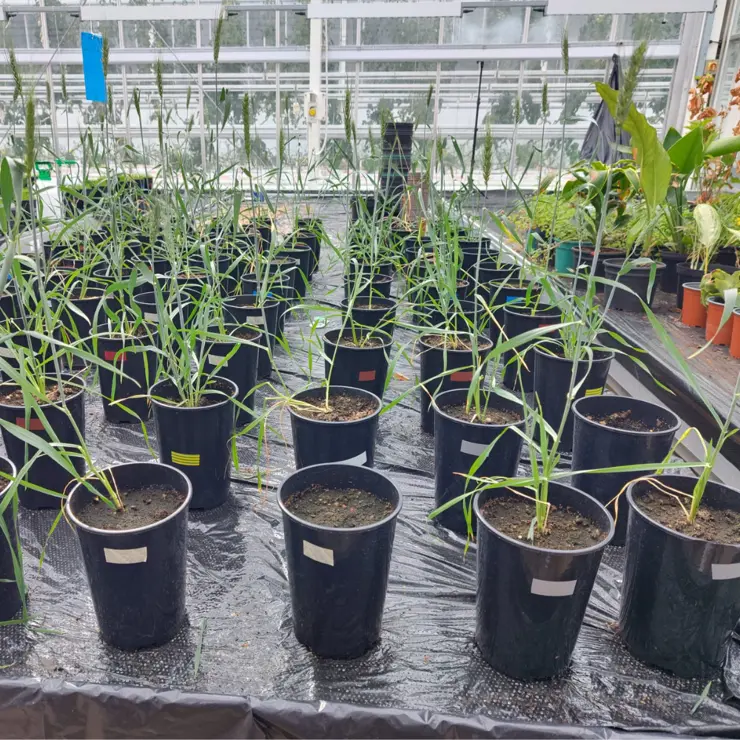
x: 735, y: 343
x: 714, y: 318
x: 693, y: 313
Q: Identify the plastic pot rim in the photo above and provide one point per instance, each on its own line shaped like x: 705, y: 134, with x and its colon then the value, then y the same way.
x: 78, y: 523
x: 630, y: 432
x: 392, y: 303
x: 13, y: 473
x: 387, y: 339
x: 162, y: 404
x: 258, y: 307
x: 483, y: 342
x: 469, y: 424
x: 692, y: 286
x: 322, y: 422
x: 604, y: 355
x: 543, y: 311
x: 546, y: 550
x: 48, y: 404
x: 618, y: 263
x: 322, y: 527
x: 668, y: 530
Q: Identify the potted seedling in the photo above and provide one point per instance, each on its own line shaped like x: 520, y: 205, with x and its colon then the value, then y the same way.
x: 719, y: 296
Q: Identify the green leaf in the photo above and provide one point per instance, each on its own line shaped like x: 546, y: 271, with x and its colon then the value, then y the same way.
x: 727, y: 145
x: 671, y: 137
x: 688, y: 152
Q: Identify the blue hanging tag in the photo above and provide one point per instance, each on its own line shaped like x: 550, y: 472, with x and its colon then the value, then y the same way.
x: 92, y: 67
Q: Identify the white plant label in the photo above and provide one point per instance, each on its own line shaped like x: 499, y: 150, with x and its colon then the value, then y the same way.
x: 150, y: 316
x: 472, y: 448
x: 360, y: 459
x: 319, y: 554
x: 216, y: 359
x: 725, y: 571
x: 553, y: 588
x: 6, y: 352
x: 256, y: 320
x: 125, y: 557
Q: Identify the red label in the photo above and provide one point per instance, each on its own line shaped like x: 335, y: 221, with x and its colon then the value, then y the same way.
x: 366, y: 375
x: 542, y: 326
x: 110, y: 354
x: 35, y: 425
x: 462, y: 376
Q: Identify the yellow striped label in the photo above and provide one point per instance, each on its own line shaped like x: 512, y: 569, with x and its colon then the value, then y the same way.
x: 180, y: 458
x: 594, y: 392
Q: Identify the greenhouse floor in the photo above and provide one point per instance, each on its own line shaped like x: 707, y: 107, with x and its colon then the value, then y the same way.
x: 236, y: 669
x: 715, y: 371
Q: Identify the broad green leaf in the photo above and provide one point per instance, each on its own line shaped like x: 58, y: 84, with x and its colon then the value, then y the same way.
x: 688, y: 152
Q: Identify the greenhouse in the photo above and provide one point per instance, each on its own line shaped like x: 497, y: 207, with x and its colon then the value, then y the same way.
x: 370, y: 368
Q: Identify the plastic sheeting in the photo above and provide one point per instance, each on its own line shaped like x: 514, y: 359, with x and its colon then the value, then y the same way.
x: 236, y: 670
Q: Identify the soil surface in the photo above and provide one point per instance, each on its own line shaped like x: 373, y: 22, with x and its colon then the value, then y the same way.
x: 365, y: 342
x: 15, y: 397
x: 624, y: 420
x: 342, y: 407
x: 715, y: 525
x: 338, y: 507
x: 141, y: 507
x: 368, y: 306
x: 209, y: 398
x: 566, y: 529
x: 451, y: 342
x: 489, y: 415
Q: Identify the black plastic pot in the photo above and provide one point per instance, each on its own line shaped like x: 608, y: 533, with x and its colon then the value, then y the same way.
x: 136, y: 576
x: 338, y: 577
x: 44, y: 472
x: 681, y: 595
x: 356, y: 367
x: 472, y: 251
x: 503, y: 294
x: 669, y: 276
x: 382, y: 315
x: 412, y: 245
x: 240, y: 368
x: 350, y: 442
x: 519, y: 319
x: 243, y: 310
x: 552, y: 376
x: 457, y: 366
x: 311, y: 240
x: 727, y: 256
x: 460, y: 317
x: 74, y: 329
x: 147, y: 302
x: 380, y: 285
x: 598, y: 446
x: 531, y: 600
x: 128, y: 356
x: 637, y: 279
x: 301, y: 276
x: 10, y: 595
x: 457, y: 445
x: 489, y: 273
x: 197, y: 440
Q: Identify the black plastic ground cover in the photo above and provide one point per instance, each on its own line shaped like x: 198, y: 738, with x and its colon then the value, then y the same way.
x: 236, y: 670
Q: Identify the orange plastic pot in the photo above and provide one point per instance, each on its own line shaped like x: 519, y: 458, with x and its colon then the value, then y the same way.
x: 735, y: 342
x: 714, y: 319
x: 693, y: 313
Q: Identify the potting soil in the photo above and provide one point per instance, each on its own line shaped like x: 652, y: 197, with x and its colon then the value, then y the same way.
x: 236, y: 669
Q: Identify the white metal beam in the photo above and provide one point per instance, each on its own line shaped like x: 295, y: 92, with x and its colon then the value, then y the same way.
x: 296, y: 55
x: 383, y: 9
x: 158, y: 12
x: 587, y: 7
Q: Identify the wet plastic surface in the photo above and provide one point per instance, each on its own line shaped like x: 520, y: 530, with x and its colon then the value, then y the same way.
x: 426, y: 678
